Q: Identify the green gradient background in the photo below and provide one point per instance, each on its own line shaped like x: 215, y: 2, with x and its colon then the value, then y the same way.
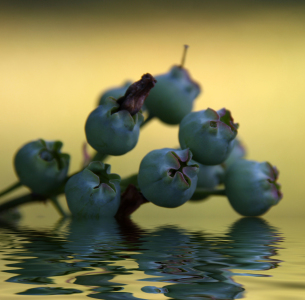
x: 249, y: 56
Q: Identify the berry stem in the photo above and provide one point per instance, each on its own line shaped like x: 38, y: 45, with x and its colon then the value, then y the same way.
x: 10, y: 188
x: 133, y: 179
x: 131, y: 200
x: 201, y: 193
x: 183, y: 56
x: 148, y: 119
x: 99, y: 157
x: 28, y: 198
x: 58, y: 207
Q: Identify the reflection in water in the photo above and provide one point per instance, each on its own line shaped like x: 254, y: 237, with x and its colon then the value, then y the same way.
x: 251, y: 243
x: 91, y: 255
x: 189, y: 262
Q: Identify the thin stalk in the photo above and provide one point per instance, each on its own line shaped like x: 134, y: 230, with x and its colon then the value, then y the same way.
x: 184, y: 56
x: 28, y: 198
x: 133, y: 179
x: 201, y: 193
x: 58, y: 207
x: 99, y: 157
x: 148, y: 119
x: 11, y: 188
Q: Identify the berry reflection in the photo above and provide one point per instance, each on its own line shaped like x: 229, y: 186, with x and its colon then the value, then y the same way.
x: 92, y: 258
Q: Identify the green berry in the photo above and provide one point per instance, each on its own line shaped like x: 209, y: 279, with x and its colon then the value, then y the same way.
x: 173, y: 96
x: 251, y: 187
x: 113, y: 127
x: 41, y: 166
x: 94, y: 192
x: 209, y: 176
x: 168, y: 177
x: 112, y: 131
x: 209, y: 135
x: 237, y: 152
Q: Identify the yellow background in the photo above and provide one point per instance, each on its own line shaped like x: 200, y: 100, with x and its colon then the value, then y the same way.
x: 56, y: 60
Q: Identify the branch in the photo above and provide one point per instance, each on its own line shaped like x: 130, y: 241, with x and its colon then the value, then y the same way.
x: 10, y: 188
x: 131, y: 200
x: 28, y: 198
x: 201, y: 194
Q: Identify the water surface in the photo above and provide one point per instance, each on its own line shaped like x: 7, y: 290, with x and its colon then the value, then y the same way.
x: 129, y: 260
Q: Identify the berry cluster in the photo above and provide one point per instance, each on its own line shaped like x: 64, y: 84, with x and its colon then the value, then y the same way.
x: 209, y: 156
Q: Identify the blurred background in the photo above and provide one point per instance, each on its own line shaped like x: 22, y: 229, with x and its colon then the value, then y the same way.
x: 57, y: 57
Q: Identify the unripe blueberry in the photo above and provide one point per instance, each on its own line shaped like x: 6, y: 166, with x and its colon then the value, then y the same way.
x: 209, y: 135
x: 115, y: 92
x: 94, y: 192
x: 251, y: 187
x: 173, y: 96
x: 110, y: 131
x: 209, y: 176
x: 168, y: 177
x: 113, y: 127
x: 237, y: 152
x: 41, y: 166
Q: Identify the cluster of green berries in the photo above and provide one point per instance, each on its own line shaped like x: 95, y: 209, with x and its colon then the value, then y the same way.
x: 209, y: 153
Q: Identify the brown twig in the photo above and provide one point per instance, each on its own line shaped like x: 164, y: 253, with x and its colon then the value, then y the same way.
x: 131, y: 200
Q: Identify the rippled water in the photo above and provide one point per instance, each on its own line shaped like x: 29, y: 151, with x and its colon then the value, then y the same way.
x: 124, y: 260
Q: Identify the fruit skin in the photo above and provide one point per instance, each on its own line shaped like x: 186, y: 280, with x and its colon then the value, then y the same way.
x: 209, y: 135
x: 112, y: 132
x: 94, y: 192
x: 173, y: 96
x: 115, y: 92
x: 237, y: 152
x: 209, y: 176
x: 41, y: 166
x: 251, y: 187
x: 168, y: 177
